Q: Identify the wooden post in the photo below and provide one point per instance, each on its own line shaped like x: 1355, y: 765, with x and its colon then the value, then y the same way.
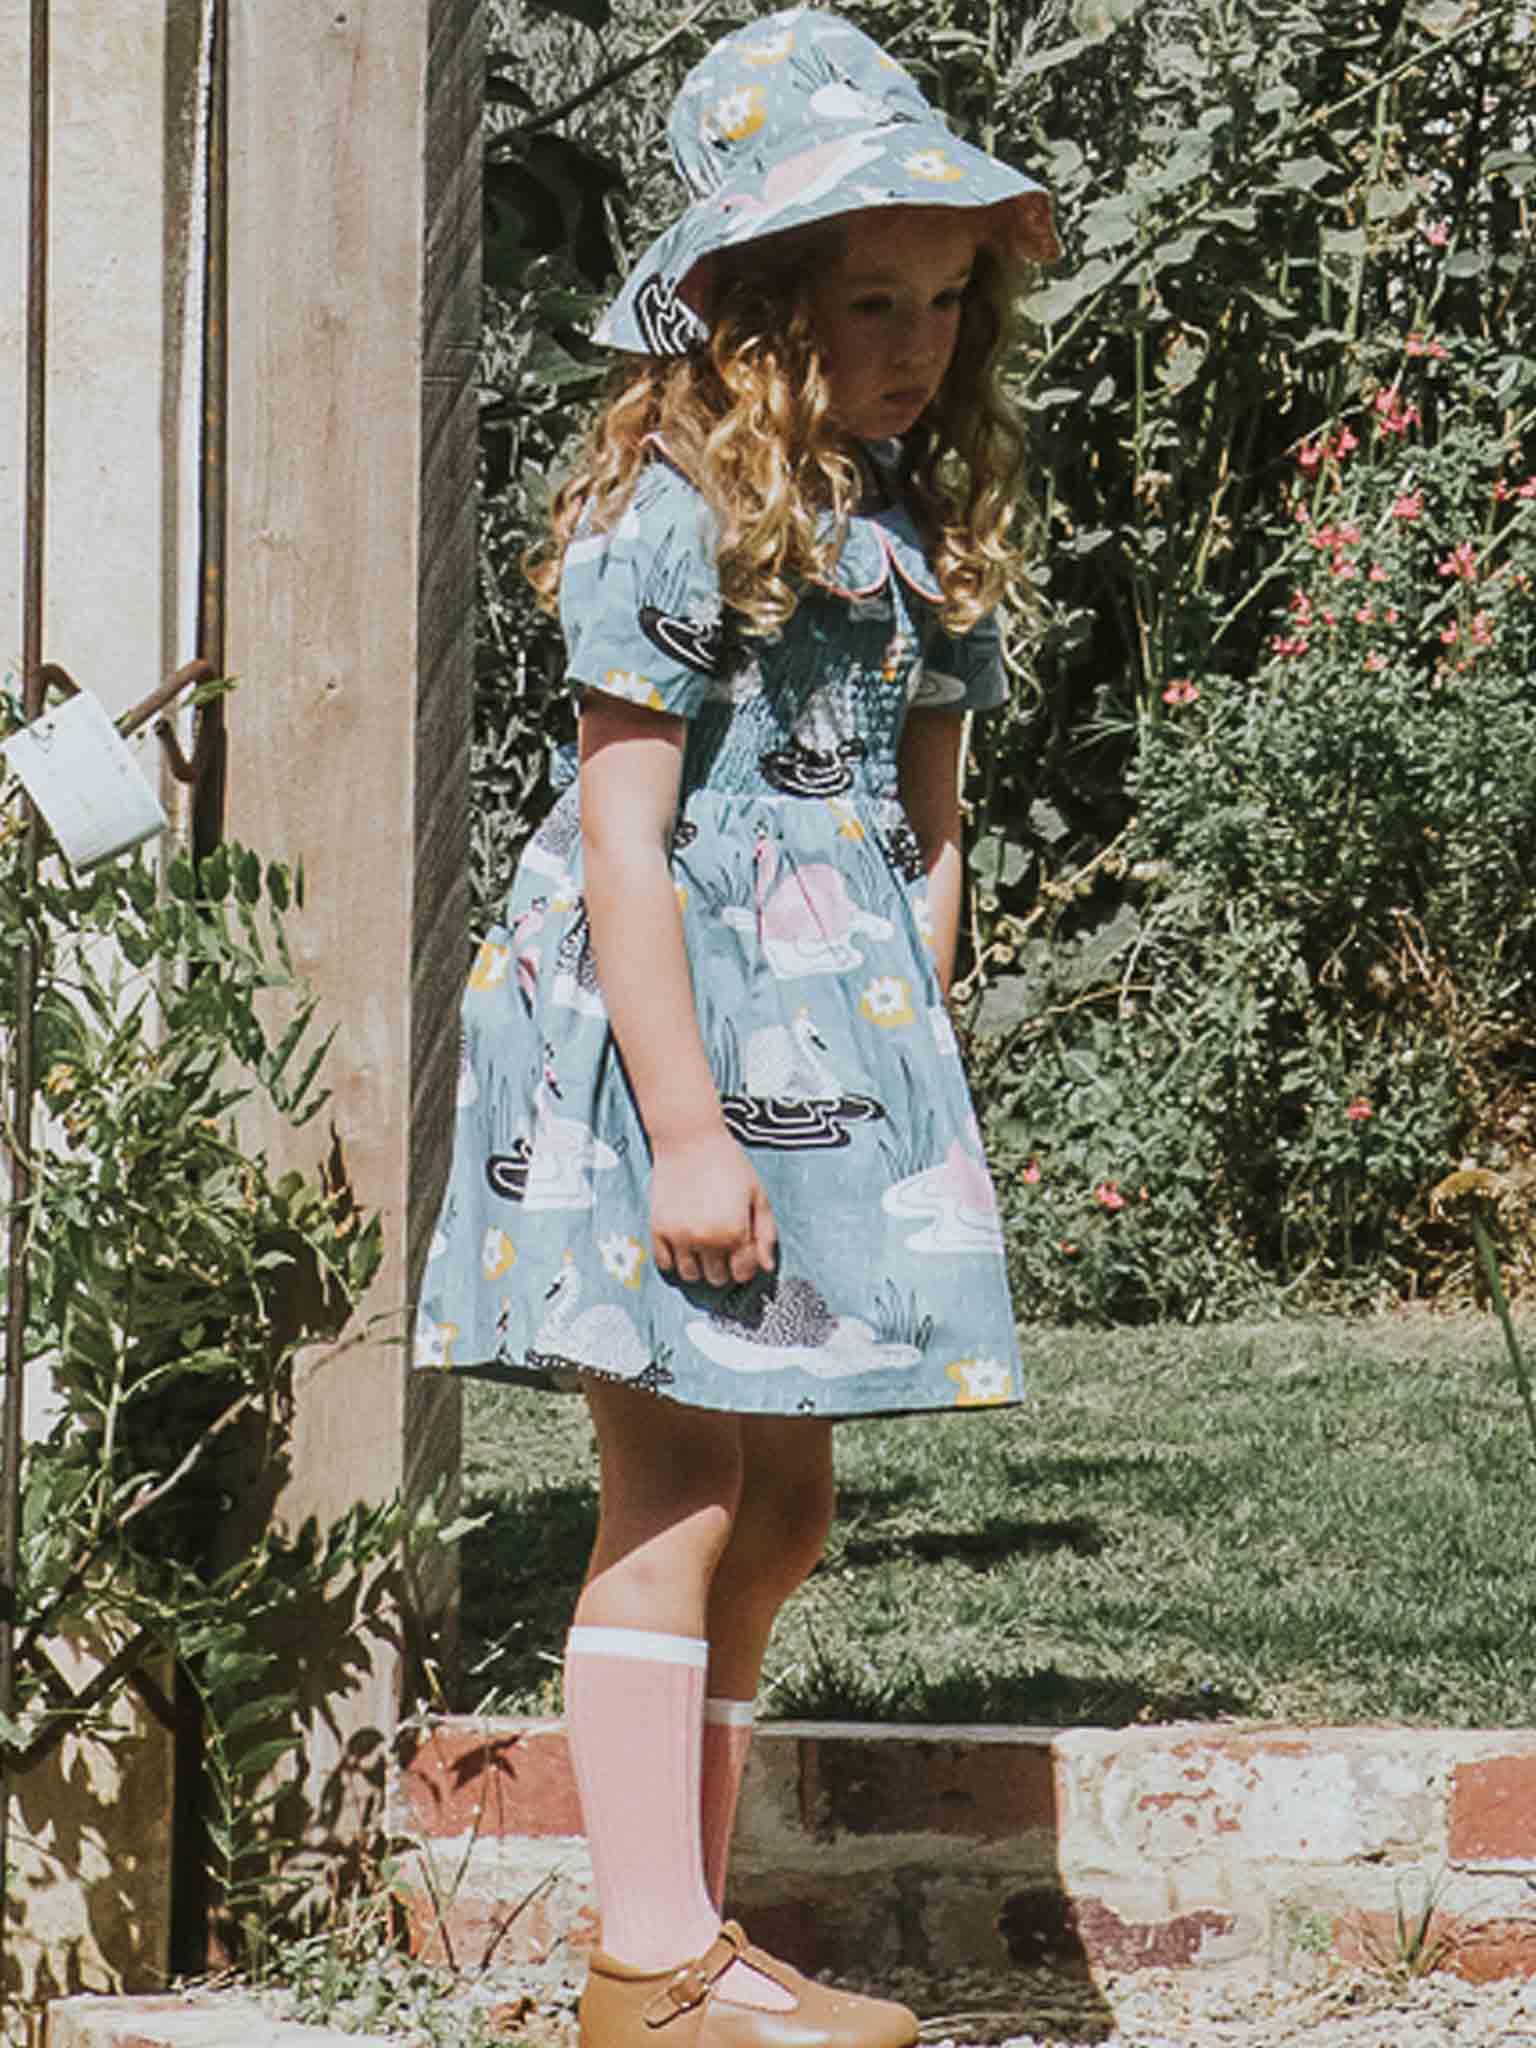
x: 354, y: 228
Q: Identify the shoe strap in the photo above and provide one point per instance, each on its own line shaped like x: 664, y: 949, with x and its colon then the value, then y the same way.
x: 688, y: 1987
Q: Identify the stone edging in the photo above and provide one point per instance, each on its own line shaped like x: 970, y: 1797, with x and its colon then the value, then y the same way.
x: 1199, y: 1846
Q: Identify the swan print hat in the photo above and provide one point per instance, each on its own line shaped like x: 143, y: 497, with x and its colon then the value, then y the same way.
x: 791, y: 120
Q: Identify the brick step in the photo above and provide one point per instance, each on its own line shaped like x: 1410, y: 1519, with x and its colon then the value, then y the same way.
x: 860, y: 1848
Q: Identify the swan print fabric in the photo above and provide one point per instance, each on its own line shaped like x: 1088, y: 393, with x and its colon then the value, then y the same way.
x: 805, y: 912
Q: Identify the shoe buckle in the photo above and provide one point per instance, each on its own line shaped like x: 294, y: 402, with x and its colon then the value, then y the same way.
x: 683, y: 1990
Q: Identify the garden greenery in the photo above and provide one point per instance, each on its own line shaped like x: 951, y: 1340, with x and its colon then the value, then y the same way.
x: 1254, y: 849
x: 164, y: 1254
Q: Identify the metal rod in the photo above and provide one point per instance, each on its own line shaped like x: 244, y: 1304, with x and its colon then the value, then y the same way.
x: 19, y: 1142
x: 208, y: 795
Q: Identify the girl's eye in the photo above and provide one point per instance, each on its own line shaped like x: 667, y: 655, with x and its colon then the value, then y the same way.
x: 877, y: 303
x: 950, y: 301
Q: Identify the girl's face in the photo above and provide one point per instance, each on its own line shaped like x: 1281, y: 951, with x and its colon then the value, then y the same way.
x: 885, y: 309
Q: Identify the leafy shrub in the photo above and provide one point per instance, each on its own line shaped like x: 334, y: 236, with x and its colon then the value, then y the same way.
x: 1322, y: 1001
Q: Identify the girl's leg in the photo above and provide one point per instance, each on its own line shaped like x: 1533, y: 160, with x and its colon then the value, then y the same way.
x: 635, y: 1667
x: 780, y: 1530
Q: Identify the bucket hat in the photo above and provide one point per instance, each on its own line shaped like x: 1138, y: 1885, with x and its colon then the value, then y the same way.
x: 793, y: 119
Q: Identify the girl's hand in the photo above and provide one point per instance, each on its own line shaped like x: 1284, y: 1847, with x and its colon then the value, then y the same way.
x: 710, y: 1216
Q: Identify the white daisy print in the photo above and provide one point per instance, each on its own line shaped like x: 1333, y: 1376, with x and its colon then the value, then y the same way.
x: 497, y: 1253
x: 638, y: 689
x: 771, y: 50
x: 887, y: 1001
x: 982, y: 1381
x: 434, y: 1344
x: 740, y: 113
x: 623, y: 1257
x: 490, y: 968
x: 933, y: 165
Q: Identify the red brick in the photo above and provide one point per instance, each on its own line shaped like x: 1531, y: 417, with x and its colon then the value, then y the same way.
x: 472, y: 1932
x: 1493, y: 1810
x: 982, y: 1791
x: 1499, y: 1948
x: 1117, y: 1944
x: 1479, y: 1951
x: 463, y: 1779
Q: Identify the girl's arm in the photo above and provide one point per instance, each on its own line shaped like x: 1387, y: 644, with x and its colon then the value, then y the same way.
x: 710, y: 1216
x: 930, y: 792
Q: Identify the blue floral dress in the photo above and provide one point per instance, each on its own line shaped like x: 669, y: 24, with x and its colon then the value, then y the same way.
x: 805, y: 913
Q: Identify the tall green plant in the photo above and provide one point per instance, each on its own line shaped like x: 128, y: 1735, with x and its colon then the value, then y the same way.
x: 166, y: 1258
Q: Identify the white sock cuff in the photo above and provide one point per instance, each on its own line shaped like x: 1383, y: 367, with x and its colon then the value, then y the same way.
x: 732, y: 1713
x: 646, y: 1644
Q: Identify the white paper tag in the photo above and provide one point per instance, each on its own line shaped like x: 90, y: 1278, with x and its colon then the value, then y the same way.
x: 76, y: 768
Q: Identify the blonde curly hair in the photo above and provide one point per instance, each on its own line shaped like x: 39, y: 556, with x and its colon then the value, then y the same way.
x: 747, y: 420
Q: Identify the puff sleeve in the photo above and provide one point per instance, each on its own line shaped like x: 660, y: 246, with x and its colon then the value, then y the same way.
x: 640, y: 604
x: 963, y: 671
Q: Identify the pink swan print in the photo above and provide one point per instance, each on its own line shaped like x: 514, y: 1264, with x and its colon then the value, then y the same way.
x: 806, y: 923
x: 956, y: 1201
x: 799, y: 181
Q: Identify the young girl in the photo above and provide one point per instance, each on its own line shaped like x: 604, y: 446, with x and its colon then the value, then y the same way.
x: 716, y: 1165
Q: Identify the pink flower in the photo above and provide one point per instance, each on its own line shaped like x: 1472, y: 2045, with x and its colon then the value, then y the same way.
x: 1310, y: 454
x: 1181, y: 691
x: 1364, y: 615
x: 1528, y: 488
x: 1482, y: 629
x: 1426, y: 345
x: 1408, y: 506
x: 1344, y: 570
x: 1347, y: 442
x: 1391, y: 614
x: 1069, y: 1249
x: 1108, y: 1196
x: 1461, y: 562
x: 1031, y: 1173
x: 1376, y: 573
x: 1349, y: 534
x: 1375, y: 662
x: 1284, y: 647
x: 1359, y: 1111
x: 1450, y: 634
x: 1392, y: 418
x: 1437, y: 233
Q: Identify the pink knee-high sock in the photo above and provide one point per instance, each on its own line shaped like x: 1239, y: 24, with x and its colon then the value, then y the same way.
x: 727, y: 1742
x: 634, y: 1707
x: 634, y: 1702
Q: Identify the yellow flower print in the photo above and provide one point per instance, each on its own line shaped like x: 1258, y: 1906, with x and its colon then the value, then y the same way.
x: 623, y: 1257
x: 740, y: 114
x: 490, y: 968
x: 434, y: 1344
x: 625, y: 682
x: 497, y: 1253
x: 849, y: 825
x: 983, y: 1382
x: 922, y: 917
x: 933, y: 165
x: 890, y: 668
x: 771, y: 50
x: 887, y: 1001
x: 680, y: 891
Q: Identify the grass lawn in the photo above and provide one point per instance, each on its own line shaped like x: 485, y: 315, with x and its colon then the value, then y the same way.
x: 1301, y: 1522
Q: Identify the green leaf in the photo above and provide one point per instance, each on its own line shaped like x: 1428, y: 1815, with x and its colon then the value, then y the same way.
x: 1302, y: 173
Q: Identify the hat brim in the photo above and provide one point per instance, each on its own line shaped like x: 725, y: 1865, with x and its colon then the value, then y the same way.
x: 665, y: 305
